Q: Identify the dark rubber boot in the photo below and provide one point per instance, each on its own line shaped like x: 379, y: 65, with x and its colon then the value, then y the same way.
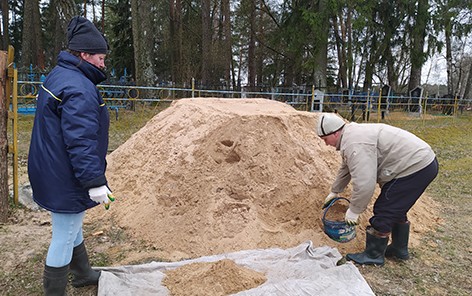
x: 374, y: 251
x: 399, y: 246
x: 55, y: 280
x: 84, y: 275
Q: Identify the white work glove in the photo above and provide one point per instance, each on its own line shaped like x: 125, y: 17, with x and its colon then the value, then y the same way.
x: 101, y: 195
x: 329, y: 198
x: 351, y: 218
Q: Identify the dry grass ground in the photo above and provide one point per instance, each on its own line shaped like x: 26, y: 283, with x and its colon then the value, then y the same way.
x: 440, y: 265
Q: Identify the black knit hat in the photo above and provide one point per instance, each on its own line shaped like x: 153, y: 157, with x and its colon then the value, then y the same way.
x: 83, y: 36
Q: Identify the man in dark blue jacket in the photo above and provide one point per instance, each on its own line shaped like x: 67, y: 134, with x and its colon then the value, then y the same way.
x: 66, y: 163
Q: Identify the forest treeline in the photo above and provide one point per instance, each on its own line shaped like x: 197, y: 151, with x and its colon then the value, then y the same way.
x: 331, y: 44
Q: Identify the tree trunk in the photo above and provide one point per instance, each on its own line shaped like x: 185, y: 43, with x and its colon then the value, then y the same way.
x: 371, y: 61
x: 28, y: 37
x: 417, y: 55
x: 63, y: 12
x: 251, y: 59
x: 175, y: 19
x: 5, y: 18
x: 321, y: 54
x: 136, y: 20
x: 259, y: 49
x: 172, y: 30
x: 350, y: 45
x: 38, y: 50
x: 369, y: 73
x: 467, y: 88
x: 339, y: 28
x: 4, y: 194
x: 449, y: 66
x: 392, y: 75
x: 141, y: 12
x: 32, y: 45
x: 206, y: 43
x: 227, y: 42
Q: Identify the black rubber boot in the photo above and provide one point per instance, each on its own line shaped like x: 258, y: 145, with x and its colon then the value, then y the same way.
x: 84, y: 275
x: 374, y: 250
x: 55, y: 280
x: 399, y: 246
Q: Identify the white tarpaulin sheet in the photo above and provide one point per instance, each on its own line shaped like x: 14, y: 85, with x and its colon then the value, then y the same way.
x: 302, y: 270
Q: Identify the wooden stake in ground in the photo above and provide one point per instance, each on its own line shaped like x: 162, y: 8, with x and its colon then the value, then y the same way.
x: 3, y: 138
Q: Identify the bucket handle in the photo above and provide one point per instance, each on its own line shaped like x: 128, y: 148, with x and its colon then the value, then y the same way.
x: 331, y: 203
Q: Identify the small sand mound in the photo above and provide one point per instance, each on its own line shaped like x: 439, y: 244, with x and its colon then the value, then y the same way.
x: 218, y: 278
x: 210, y: 176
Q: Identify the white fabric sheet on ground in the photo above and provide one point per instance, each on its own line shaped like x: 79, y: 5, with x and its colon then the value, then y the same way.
x: 302, y: 270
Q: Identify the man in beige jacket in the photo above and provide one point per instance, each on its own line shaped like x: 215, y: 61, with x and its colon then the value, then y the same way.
x: 401, y: 163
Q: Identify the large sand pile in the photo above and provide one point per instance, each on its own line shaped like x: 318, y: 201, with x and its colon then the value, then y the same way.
x: 210, y: 176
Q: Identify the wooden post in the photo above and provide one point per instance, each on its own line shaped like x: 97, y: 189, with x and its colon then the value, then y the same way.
x: 4, y: 194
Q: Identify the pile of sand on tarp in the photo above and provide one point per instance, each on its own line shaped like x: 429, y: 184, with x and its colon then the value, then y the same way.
x: 210, y: 176
x: 223, y: 277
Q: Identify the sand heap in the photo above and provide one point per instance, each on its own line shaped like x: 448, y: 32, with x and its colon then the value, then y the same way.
x: 218, y: 278
x: 210, y: 176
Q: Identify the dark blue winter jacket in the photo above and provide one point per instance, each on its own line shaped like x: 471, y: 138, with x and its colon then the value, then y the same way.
x: 69, y: 141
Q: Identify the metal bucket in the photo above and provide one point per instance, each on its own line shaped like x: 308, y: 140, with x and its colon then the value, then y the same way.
x: 338, y: 231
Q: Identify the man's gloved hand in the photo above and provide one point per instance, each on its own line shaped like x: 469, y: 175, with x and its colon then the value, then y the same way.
x: 351, y: 218
x: 329, y: 198
x: 101, y: 195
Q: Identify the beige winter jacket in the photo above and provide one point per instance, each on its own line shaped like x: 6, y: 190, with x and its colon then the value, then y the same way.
x: 377, y: 153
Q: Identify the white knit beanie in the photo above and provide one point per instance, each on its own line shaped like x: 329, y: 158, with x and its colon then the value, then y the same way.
x: 329, y: 123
